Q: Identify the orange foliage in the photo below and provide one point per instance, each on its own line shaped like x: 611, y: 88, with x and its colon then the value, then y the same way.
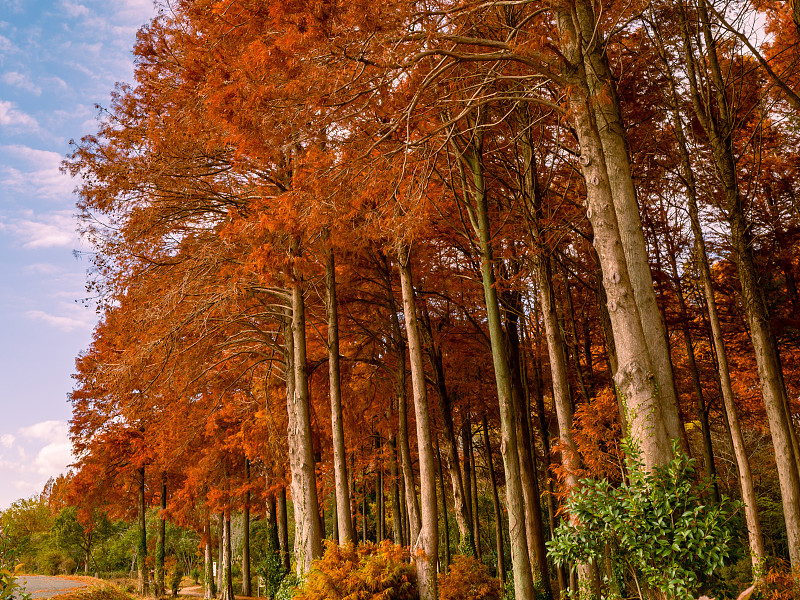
x: 367, y: 572
x: 468, y: 579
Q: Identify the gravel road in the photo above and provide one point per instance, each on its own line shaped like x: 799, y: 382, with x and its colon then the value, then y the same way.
x: 41, y: 586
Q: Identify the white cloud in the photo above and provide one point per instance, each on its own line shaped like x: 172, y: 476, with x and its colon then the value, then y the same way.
x: 49, y: 431
x: 65, y: 324
x: 43, y: 269
x: 12, y: 5
x: 54, y: 458
x: 21, y: 81
x: 6, y: 45
x: 15, y: 119
x: 51, y: 230
x: 36, y: 174
x: 35, y: 453
x: 74, y: 9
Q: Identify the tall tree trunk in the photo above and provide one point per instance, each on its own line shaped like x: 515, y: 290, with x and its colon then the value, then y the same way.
x: 141, y: 554
x: 426, y: 547
x: 445, y: 519
x: 344, y: 518
x: 614, y: 144
x: 209, y: 585
x: 160, y: 541
x: 220, y: 554
x: 283, y: 530
x: 719, y: 132
x: 556, y: 346
x: 412, y: 523
x: 498, y: 514
x: 226, y: 590
x: 246, y: 579
x: 702, y: 409
x: 476, y: 523
x: 534, y: 528
x: 449, y: 439
x: 466, y: 432
x: 523, y: 578
x: 397, y: 507
x: 755, y: 536
x: 634, y: 378
x: 308, y: 541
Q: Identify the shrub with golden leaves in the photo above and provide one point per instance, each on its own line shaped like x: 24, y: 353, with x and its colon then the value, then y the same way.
x: 468, y: 579
x: 364, y: 572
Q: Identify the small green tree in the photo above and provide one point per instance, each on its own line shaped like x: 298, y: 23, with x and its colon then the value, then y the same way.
x: 654, y: 528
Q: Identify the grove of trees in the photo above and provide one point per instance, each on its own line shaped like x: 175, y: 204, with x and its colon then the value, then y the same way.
x: 461, y: 275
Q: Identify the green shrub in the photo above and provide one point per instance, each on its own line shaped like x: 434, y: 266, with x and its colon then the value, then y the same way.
x: 9, y: 587
x: 654, y: 528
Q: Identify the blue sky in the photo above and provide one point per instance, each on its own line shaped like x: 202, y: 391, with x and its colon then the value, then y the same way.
x: 58, y: 58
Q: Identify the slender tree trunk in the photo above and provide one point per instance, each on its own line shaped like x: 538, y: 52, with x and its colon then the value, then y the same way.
x: 160, y: 542
x: 426, y: 547
x: 220, y: 554
x: 283, y: 530
x: 449, y: 439
x: 209, y: 586
x: 445, y: 519
x: 466, y: 431
x: 523, y: 578
x: 498, y: 514
x: 141, y: 554
x: 412, y: 524
x: 308, y: 541
x: 345, y: 523
x: 719, y: 131
x: 534, y: 528
x: 737, y: 439
x: 476, y: 523
x: 397, y: 507
x: 246, y: 579
x: 708, y: 450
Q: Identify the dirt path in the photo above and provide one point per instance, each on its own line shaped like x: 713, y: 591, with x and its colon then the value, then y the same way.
x: 42, y: 586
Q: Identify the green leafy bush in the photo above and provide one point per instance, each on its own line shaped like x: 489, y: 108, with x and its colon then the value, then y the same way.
x: 653, y: 529
x: 9, y: 586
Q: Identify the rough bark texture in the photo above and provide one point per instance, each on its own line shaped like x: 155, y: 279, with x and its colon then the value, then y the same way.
x: 226, y: 589
x: 426, y: 548
x: 343, y: 514
x: 308, y: 541
x: 614, y: 145
x: 634, y: 378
